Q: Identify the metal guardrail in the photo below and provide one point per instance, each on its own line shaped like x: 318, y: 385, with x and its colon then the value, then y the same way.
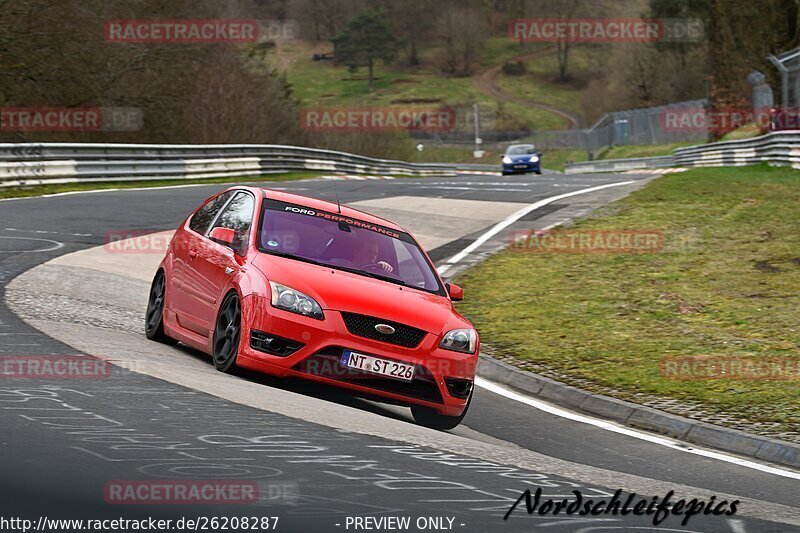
x: 616, y: 165
x: 40, y: 163
x: 776, y: 148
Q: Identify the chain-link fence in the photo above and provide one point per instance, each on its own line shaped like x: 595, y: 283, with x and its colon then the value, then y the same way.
x: 788, y: 65
x: 646, y: 126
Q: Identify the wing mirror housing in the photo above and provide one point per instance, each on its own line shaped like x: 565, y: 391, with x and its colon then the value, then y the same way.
x: 456, y: 293
x: 224, y: 236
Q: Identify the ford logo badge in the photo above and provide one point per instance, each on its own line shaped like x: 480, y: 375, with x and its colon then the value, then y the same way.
x: 386, y: 329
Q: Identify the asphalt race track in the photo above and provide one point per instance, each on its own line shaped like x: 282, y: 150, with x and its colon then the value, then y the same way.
x: 320, y: 457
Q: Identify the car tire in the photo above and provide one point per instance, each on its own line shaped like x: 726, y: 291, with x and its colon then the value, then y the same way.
x: 538, y: 171
x: 227, y: 334
x: 425, y: 416
x: 154, y: 318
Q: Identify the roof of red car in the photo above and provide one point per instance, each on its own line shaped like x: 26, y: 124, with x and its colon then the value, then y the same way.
x: 324, y: 205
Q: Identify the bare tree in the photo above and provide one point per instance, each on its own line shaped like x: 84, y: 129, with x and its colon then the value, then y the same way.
x: 644, y: 76
x: 408, y: 24
x: 562, y: 9
x: 326, y: 17
x: 463, y: 32
x: 56, y: 55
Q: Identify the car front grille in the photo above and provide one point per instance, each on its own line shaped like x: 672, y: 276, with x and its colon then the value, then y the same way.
x: 364, y: 326
x: 325, y: 363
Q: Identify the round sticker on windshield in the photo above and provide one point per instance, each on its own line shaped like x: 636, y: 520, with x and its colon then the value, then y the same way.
x: 272, y: 243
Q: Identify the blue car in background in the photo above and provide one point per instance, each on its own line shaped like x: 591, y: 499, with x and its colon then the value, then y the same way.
x: 521, y: 158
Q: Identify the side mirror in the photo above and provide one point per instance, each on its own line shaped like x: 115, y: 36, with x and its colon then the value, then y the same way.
x: 224, y: 236
x: 456, y: 293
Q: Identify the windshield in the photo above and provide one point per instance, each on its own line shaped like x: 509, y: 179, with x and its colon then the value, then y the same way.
x: 345, y: 243
x: 520, y: 149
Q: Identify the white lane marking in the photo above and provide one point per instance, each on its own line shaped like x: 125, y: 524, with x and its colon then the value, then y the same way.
x: 50, y: 232
x: 482, y: 183
x: 357, y: 177
x: 500, y: 226
x: 21, y: 344
x: 453, y: 187
x: 608, y: 426
x: 56, y: 244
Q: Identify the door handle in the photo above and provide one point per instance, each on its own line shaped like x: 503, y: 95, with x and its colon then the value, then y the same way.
x: 192, y: 254
x: 228, y: 270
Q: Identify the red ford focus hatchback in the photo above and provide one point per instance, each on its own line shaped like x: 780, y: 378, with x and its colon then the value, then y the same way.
x: 294, y: 286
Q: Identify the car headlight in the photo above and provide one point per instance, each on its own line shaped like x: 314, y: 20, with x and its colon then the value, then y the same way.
x: 288, y: 299
x: 507, y: 160
x: 534, y: 158
x: 460, y: 340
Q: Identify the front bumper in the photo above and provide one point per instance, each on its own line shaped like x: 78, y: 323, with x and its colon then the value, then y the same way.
x: 513, y: 168
x: 323, y: 342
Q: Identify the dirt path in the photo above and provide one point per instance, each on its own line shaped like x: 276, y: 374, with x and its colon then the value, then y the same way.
x: 487, y: 82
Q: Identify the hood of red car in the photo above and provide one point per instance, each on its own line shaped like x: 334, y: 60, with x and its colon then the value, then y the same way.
x: 344, y: 291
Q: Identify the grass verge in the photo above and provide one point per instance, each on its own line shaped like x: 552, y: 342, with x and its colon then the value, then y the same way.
x: 723, y: 285
x: 556, y: 159
x: 322, y: 84
x: 539, y: 83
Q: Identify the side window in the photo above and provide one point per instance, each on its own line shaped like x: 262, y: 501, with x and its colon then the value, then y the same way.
x: 203, y: 217
x: 238, y: 216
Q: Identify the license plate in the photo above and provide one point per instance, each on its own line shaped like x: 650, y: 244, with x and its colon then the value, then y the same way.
x: 520, y: 166
x: 376, y: 365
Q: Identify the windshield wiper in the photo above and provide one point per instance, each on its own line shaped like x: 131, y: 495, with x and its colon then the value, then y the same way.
x: 374, y: 275
x: 292, y: 256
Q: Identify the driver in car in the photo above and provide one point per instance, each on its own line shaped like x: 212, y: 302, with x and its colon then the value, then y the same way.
x: 366, y: 254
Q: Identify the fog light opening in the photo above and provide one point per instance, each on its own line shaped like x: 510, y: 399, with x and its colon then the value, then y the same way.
x: 458, y: 388
x: 272, y: 344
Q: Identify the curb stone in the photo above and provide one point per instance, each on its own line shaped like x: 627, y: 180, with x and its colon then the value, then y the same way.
x: 641, y: 417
